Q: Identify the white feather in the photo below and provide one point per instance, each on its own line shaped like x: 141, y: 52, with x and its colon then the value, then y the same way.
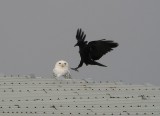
x: 60, y: 69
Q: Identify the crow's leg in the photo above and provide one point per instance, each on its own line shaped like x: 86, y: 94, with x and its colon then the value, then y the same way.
x: 80, y: 65
x: 75, y: 69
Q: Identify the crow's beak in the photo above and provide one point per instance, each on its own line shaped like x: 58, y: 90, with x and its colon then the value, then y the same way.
x: 76, y: 45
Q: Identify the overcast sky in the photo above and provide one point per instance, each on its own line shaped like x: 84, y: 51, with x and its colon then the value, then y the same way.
x: 35, y: 34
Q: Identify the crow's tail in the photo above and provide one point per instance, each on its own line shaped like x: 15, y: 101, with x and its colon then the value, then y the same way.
x: 96, y: 63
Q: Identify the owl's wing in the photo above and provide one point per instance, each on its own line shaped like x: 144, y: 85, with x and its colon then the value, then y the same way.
x: 54, y: 74
x: 67, y: 75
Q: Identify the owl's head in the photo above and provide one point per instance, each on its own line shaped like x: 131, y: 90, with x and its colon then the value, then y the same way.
x: 61, y: 64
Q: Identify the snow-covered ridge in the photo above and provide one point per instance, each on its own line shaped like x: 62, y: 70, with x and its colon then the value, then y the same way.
x: 23, y: 95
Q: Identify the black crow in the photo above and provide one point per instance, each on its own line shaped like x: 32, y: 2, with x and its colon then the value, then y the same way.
x: 91, y: 51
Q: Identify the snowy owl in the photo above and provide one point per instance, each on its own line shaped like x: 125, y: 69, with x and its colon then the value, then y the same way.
x: 61, y: 69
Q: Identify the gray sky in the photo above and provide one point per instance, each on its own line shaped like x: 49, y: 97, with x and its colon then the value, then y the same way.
x: 35, y: 34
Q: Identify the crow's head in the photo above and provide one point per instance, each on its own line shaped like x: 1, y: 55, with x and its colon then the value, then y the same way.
x: 80, y: 43
x: 80, y: 36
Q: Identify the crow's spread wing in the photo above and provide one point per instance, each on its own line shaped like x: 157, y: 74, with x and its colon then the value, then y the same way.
x: 100, y: 47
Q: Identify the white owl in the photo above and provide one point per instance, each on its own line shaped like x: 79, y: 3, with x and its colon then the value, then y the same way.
x: 61, y: 69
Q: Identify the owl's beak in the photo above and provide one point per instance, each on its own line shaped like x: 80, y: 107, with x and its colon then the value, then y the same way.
x: 62, y: 65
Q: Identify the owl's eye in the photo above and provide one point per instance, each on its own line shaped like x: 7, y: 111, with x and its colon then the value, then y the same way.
x: 59, y: 63
x: 65, y: 63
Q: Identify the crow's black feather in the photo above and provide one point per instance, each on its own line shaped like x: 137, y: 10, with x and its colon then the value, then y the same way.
x: 100, y: 47
x: 92, y: 51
